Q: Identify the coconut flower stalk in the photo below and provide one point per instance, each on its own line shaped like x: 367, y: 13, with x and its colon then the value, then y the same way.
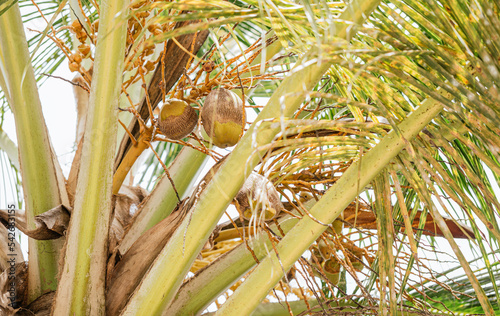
x: 247, y: 297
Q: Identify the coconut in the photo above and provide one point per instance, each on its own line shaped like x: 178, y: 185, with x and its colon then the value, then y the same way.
x: 222, y: 117
x: 257, y: 194
x: 326, y: 248
x: 358, y: 266
x: 356, y: 258
x: 177, y: 119
x: 338, y: 226
x: 332, y: 266
x: 334, y: 278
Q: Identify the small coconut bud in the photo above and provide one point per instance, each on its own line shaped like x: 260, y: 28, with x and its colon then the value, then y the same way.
x: 326, y: 248
x: 334, y: 277
x: 153, y: 27
x: 209, y: 66
x: 138, y: 4
x: 150, y: 65
x: 331, y: 265
x: 356, y: 258
x: 338, y: 226
x: 222, y: 117
x: 84, y: 49
x: 358, y: 266
x: 82, y: 37
x: 177, y: 119
x: 76, y: 26
x: 77, y: 58
x: 140, y: 15
x: 315, y: 251
x: 257, y: 194
x: 74, y: 66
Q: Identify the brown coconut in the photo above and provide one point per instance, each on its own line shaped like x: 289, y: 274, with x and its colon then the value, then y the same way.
x: 257, y: 194
x: 177, y: 119
x: 223, y: 117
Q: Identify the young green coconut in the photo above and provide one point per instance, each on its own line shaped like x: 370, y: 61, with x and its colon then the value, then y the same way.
x: 177, y: 119
x: 222, y: 117
x: 331, y: 267
x: 257, y: 194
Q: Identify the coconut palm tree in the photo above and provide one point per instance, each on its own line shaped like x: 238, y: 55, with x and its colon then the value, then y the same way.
x: 363, y: 180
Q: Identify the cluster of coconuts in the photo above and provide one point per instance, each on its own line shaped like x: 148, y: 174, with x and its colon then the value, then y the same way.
x: 222, y: 118
x: 258, y: 197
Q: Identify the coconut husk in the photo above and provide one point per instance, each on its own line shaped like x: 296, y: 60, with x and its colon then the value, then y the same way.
x: 177, y: 126
x: 42, y: 306
x: 19, y: 272
x: 225, y: 108
x: 256, y: 195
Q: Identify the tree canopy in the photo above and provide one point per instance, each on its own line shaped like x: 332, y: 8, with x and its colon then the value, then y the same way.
x: 361, y: 174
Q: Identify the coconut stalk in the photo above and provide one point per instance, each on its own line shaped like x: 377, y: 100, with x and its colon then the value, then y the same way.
x: 43, y: 184
x: 165, y: 276
x: 81, y: 287
x: 248, y: 296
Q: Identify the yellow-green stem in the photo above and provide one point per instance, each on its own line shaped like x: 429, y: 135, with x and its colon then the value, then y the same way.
x: 41, y: 186
x: 130, y: 157
x: 81, y: 288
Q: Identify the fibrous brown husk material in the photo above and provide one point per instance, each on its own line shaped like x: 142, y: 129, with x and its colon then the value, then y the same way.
x: 51, y: 224
x: 125, y: 201
x: 42, y: 306
x: 177, y: 119
x: 222, y: 117
x: 125, y: 271
x: 14, y: 287
x: 130, y: 270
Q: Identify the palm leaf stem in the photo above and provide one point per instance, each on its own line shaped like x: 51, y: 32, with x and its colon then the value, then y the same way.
x: 81, y: 287
x: 43, y: 185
